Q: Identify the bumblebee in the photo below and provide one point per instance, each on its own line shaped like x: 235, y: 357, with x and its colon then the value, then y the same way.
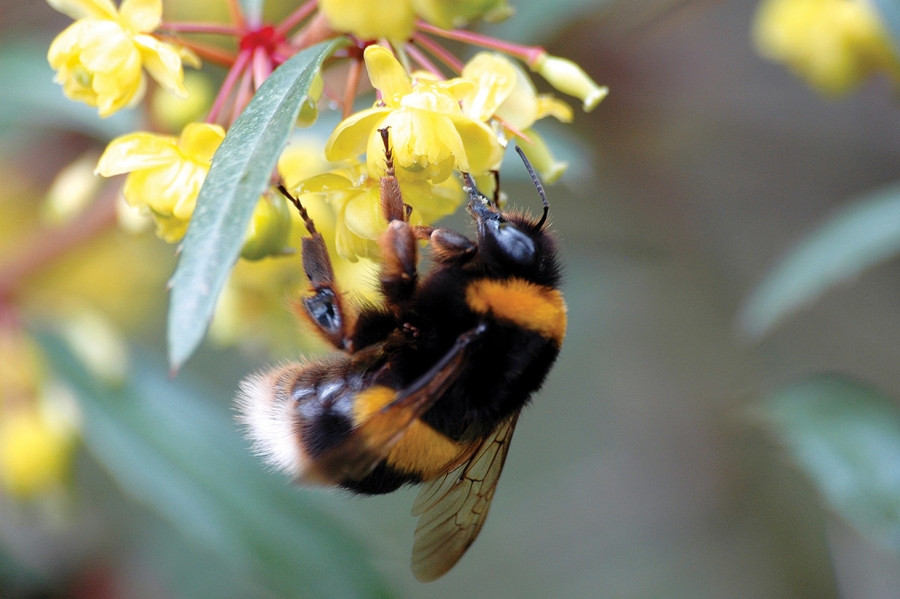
x: 430, y: 384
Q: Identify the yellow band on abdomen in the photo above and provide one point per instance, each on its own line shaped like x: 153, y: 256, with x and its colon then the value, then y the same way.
x: 525, y: 304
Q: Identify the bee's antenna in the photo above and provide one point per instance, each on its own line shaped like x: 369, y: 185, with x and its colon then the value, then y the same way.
x: 537, y: 184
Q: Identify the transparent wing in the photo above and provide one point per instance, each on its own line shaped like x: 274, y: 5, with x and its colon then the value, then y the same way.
x: 372, y: 441
x: 452, y: 509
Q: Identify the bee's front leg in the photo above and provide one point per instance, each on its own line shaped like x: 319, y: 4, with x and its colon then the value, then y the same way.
x: 324, y: 307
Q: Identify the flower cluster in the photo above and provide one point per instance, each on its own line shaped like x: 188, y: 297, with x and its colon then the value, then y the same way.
x: 444, y: 116
x: 833, y: 44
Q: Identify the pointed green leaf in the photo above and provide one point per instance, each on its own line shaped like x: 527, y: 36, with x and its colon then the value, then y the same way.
x: 240, y: 172
x: 846, y: 437
x: 856, y: 238
x: 171, y: 447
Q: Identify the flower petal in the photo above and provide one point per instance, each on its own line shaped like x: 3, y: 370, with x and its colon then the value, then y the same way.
x: 141, y: 15
x: 362, y: 214
x: 325, y: 183
x: 163, y: 62
x: 482, y: 148
x: 136, y: 151
x: 387, y: 75
x: 199, y: 141
x: 78, y: 9
x: 348, y: 140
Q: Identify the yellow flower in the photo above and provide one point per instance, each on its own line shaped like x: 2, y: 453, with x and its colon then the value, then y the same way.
x: 356, y: 203
x: 459, y: 13
x: 430, y: 134
x: 164, y: 173
x: 503, y: 90
x: 34, y: 455
x: 370, y: 19
x: 569, y: 78
x: 38, y: 420
x: 98, y: 58
x: 833, y: 44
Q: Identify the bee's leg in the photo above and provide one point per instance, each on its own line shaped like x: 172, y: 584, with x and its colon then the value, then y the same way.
x: 399, y: 250
x: 450, y: 246
x: 324, y: 307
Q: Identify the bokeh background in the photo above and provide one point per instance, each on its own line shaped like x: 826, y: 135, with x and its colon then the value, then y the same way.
x: 645, y: 468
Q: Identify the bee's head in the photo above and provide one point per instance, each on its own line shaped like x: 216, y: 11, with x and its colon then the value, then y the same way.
x: 514, y: 243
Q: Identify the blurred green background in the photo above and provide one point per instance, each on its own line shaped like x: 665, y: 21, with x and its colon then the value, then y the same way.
x: 670, y: 454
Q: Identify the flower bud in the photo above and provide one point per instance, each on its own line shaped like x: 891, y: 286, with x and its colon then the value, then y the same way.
x: 268, y: 231
x: 569, y: 78
x: 543, y: 161
x: 73, y: 189
x: 309, y: 110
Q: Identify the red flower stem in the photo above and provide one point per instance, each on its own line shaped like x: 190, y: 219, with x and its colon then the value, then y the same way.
x: 513, y: 130
x: 527, y: 54
x: 295, y: 18
x: 423, y: 61
x: 228, y: 85
x: 317, y: 30
x: 237, y: 15
x: 208, y: 53
x: 439, y: 52
x: 243, y: 95
x: 262, y: 67
x: 353, y: 77
x: 47, y: 244
x: 213, y: 28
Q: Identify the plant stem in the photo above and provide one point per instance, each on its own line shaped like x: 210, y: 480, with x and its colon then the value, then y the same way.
x: 210, y: 53
x: 423, y: 61
x: 237, y: 15
x: 353, y: 77
x: 228, y: 85
x: 213, y: 28
x: 527, y: 54
x: 296, y: 17
x: 438, y: 52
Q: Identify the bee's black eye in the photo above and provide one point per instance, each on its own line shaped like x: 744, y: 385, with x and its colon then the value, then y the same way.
x: 516, y: 245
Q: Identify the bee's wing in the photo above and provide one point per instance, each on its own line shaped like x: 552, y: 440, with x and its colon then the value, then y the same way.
x: 372, y: 441
x: 453, y: 508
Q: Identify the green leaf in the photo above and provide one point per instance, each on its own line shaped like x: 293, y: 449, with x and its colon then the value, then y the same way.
x: 172, y: 448
x: 30, y: 98
x: 890, y: 16
x: 846, y: 438
x: 859, y: 236
x: 240, y: 172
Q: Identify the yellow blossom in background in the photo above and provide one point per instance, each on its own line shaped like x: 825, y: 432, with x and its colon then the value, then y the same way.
x: 503, y: 90
x: 99, y: 58
x: 370, y: 19
x: 34, y: 453
x: 833, y: 44
x: 355, y: 199
x: 37, y: 420
x: 459, y: 13
x: 430, y: 134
